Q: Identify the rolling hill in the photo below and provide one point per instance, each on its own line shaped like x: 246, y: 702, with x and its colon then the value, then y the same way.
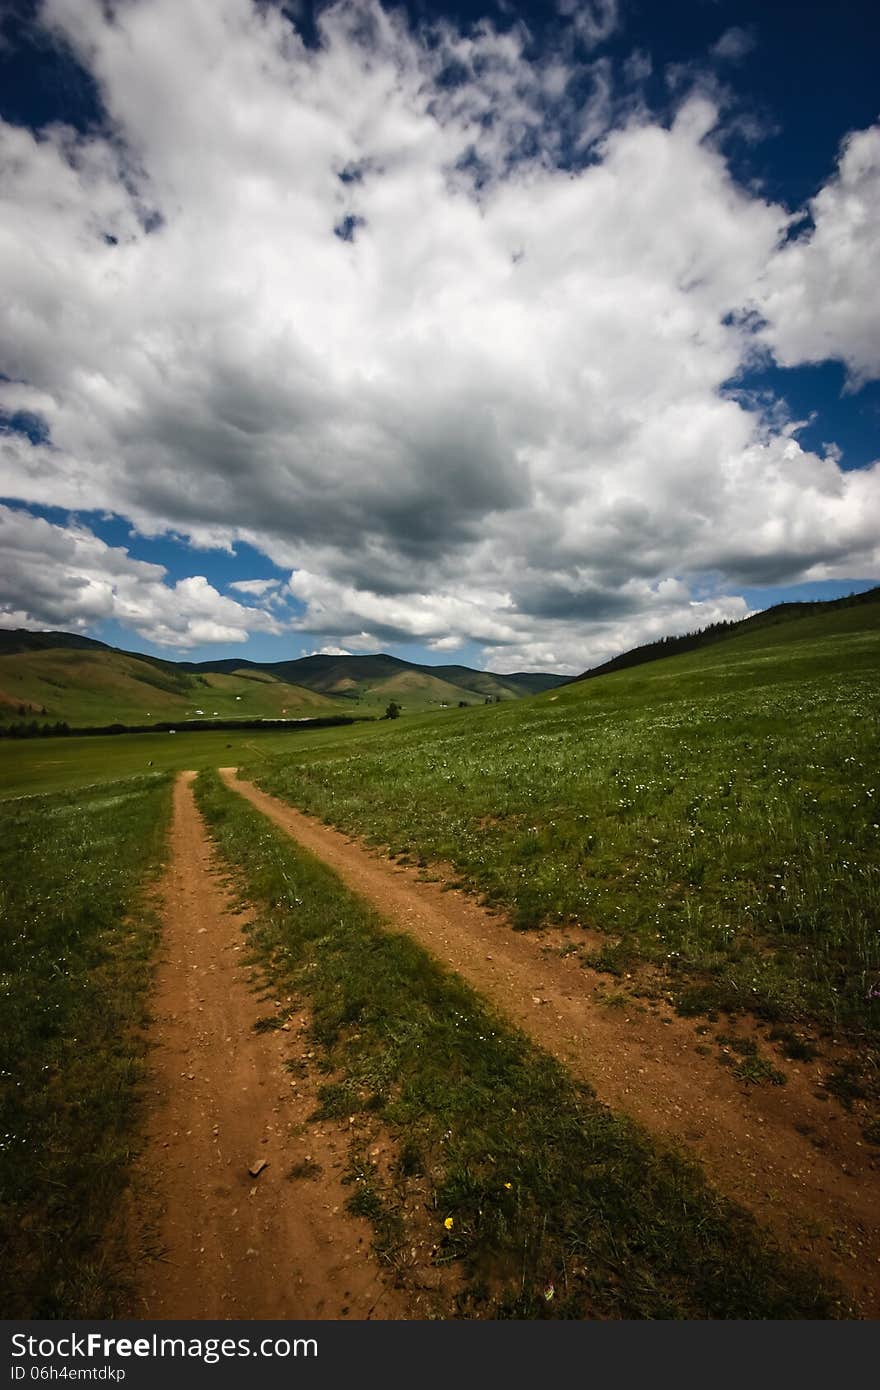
x: 52, y: 676
x: 87, y: 683
x: 62, y: 676
x: 373, y: 680
x: 784, y: 613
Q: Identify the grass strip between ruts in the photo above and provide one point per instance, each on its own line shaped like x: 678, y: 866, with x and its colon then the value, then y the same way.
x: 548, y: 1203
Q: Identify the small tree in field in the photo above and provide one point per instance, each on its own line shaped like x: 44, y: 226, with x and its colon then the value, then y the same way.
x: 393, y: 710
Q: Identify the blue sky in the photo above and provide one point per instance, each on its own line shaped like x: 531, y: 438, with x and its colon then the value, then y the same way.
x: 595, y: 360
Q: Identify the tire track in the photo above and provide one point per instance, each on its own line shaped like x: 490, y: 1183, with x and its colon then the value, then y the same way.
x: 210, y: 1240
x: 795, y: 1160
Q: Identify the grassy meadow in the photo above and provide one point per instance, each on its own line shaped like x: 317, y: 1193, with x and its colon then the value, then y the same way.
x: 714, y: 815
x: 75, y: 960
x: 28, y: 766
x: 501, y: 1165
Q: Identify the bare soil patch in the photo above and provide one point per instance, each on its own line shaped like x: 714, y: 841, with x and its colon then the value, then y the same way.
x: 219, y: 1227
x: 794, y: 1158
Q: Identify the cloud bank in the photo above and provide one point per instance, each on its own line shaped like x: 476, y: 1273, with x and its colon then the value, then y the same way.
x: 442, y: 327
x: 65, y: 577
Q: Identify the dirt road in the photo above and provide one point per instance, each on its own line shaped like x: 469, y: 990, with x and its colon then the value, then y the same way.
x: 795, y: 1159
x: 211, y: 1240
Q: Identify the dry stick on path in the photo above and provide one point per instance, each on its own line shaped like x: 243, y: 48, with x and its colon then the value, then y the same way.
x: 755, y: 1146
x: 213, y: 1240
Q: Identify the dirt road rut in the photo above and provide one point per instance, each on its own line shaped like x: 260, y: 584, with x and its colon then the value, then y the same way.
x: 797, y: 1161
x: 210, y: 1239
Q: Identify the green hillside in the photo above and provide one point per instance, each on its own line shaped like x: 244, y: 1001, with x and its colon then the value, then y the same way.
x: 21, y: 639
x: 781, y: 613
x: 414, y: 689
x: 96, y: 685
x: 503, y: 687
x: 51, y: 676
x: 372, y: 680
x: 712, y: 815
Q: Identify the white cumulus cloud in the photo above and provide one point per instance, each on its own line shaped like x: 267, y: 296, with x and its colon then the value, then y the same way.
x: 426, y: 320
x: 66, y: 577
x: 821, y: 292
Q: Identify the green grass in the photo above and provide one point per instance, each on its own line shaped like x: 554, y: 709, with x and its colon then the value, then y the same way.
x: 55, y: 764
x: 75, y: 959
x: 93, y: 687
x: 525, y: 1181
x: 96, y: 688
x: 715, y: 814
x: 747, y: 1062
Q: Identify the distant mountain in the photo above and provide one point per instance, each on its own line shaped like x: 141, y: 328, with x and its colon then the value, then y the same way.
x: 489, y: 683
x: 720, y: 632
x: 535, y: 682
x: 84, y: 681
x: 60, y: 676
x: 372, y: 678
